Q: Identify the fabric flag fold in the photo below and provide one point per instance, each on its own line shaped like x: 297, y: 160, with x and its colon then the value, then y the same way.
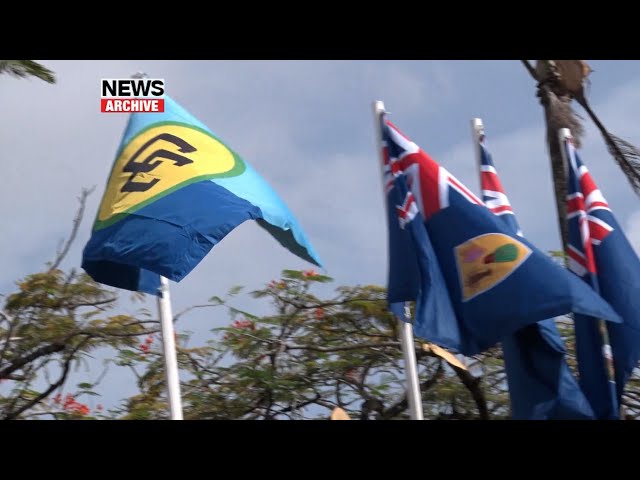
x: 496, y: 282
x: 176, y: 190
x: 599, y: 252
x: 541, y: 385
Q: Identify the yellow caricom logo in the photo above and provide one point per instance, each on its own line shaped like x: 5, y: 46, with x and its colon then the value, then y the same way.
x: 159, y: 160
x: 486, y: 260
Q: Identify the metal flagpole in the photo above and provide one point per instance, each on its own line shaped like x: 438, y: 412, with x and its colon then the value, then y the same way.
x: 477, y: 129
x: 406, y: 328
x: 168, y: 338
x: 169, y: 350
x: 411, y: 367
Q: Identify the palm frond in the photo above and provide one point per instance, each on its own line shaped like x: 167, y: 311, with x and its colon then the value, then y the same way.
x: 626, y: 155
x: 27, y: 68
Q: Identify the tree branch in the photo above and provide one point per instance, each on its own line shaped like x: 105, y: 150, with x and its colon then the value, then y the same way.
x: 6, y: 316
x: 333, y: 303
x: 299, y: 405
x: 193, y: 307
x: 74, y: 230
x: 20, y: 362
x: 52, y: 388
x: 473, y: 385
x: 530, y: 69
x: 403, y: 404
x: 93, y: 303
x: 12, y: 325
x: 340, y: 349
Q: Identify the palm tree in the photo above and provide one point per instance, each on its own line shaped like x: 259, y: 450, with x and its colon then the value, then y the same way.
x: 560, y: 82
x: 27, y: 68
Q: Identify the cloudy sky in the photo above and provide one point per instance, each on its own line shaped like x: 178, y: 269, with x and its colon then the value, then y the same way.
x: 307, y: 127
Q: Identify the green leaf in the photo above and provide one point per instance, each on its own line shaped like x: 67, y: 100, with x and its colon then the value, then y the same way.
x: 85, y: 385
x: 29, y: 394
x: 294, y: 274
x: 260, y: 293
x: 235, y: 311
x: 89, y: 392
x: 236, y: 289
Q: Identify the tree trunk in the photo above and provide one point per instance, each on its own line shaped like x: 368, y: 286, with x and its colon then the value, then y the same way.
x: 556, y: 101
x: 557, y: 164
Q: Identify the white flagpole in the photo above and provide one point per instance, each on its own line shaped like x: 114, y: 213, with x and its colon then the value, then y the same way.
x: 169, y: 350
x: 168, y: 338
x: 411, y: 368
x: 477, y: 129
x: 406, y: 329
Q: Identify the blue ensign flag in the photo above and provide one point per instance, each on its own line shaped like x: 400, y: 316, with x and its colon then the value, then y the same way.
x: 495, y: 281
x: 600, y: 254
x: 541, y: 385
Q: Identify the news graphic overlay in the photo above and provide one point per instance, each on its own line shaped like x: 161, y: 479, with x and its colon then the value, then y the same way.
x: 129, y: 95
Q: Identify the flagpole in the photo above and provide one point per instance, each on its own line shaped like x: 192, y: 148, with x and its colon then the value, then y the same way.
x: 414, y: 397
x: 169, y: 350
x: 168, y: 338
x: 411, y: 367
x: 564, y: 135
x: 477, y: 128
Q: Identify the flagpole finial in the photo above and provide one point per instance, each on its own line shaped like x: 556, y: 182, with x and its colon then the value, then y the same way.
x: 478, y: 126
x: 565, y: 133
x: 378, y: 107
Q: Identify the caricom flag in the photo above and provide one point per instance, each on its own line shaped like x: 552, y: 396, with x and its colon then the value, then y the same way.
x: 174, y: 192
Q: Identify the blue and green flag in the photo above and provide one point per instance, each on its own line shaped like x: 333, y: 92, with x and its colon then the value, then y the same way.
x: 174, y: 192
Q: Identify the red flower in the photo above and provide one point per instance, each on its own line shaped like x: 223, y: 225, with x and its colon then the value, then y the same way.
x: 319, y: 313
x: 70, y: 403
x: 309, y: 273
x: 242, y: 324
x: 145, y: 348
x: 99, y: 407
x: 149, y: 340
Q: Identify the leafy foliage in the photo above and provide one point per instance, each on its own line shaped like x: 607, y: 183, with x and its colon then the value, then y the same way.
x: 27, y: 68
x: 313, y: 355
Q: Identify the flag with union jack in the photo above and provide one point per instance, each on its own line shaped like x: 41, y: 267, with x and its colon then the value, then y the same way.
x: 493, y: 194
x: 541, y: 385
x: 496, y: 281
x: 599, y: 252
